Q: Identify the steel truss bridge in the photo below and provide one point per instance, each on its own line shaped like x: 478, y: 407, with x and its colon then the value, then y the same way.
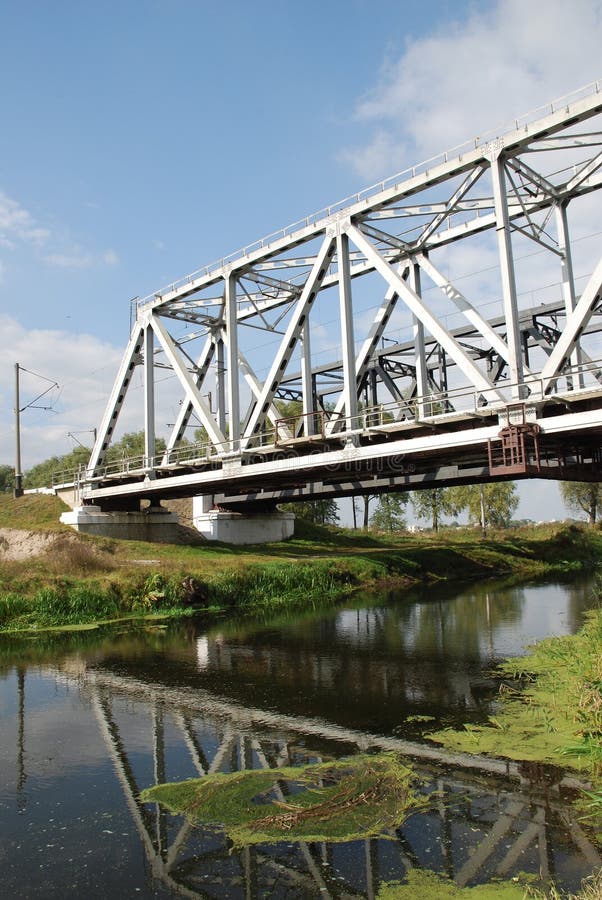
x: 354, y: 321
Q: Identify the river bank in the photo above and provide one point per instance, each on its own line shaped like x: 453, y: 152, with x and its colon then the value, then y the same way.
x: 58, y: 578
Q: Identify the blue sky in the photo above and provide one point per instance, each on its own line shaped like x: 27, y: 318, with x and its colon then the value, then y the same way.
x: 141, y: 140
x: 150, y: 137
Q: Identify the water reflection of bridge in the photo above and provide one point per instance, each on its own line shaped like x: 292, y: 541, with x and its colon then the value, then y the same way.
x: 366, y: 668
x: 488, y: 817
x: 360, y: 661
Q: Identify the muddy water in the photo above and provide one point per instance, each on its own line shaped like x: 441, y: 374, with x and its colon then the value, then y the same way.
x: 89, y: 720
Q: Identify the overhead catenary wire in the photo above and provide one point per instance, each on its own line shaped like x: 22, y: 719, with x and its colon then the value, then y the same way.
x: 53, y: 384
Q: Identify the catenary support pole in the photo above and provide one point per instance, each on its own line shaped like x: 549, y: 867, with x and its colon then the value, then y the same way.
x: 18, y: 491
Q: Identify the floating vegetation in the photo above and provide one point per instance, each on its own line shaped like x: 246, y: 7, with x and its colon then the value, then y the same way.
x: 555, y: 713
x: 591, y: 889
x: 419, y: 719
x: 342, y: 800
x: 422, y: 883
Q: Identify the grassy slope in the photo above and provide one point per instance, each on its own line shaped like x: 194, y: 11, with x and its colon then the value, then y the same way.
x: 33, y: 512
x: 318, y: 564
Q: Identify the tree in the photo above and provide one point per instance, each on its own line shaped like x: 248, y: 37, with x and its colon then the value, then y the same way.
x: 389, y: 514
x: 64, y: 467
x: 319, y: 512
x: 582, y: 497
x: 56, y: 468
x: 131, y: 445
x: 432, y: 504
x: 289, y: 409
x: 500, y: 502
x: 366, y: 500
x: 7, y: 479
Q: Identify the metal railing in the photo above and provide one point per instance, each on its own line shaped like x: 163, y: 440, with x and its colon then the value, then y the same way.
x: 303, y: 425
x: 431, y: 408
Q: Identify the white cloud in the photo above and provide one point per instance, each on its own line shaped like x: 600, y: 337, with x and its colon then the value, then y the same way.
x: 475, y: 75
x: 84, y: 367
x: 17, y: 224
x: 80, y: 259
x: 74, y: 260
x: 110, y: 258
x: 19, y: 227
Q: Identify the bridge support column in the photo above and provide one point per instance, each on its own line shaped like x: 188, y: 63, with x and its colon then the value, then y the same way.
x: 568, y: 287
x: 154, y: 524
x: 230, y: 313
x: 419, y: 354
x: 509, y: 296
x: 257, y: 527
x: 347, y: 336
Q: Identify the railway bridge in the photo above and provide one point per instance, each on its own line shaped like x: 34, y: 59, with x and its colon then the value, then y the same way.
x: 442, y: 326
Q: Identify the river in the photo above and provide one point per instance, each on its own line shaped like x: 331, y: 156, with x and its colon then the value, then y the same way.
x: 88, y: 720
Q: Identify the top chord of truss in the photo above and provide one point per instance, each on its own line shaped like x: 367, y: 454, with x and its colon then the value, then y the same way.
x: 539, y: 123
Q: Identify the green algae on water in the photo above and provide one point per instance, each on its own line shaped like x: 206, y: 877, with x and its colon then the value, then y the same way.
x: 342, y: 800
x: 421, y: 884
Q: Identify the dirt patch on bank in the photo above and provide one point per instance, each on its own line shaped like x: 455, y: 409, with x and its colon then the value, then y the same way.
x: 18, y: 544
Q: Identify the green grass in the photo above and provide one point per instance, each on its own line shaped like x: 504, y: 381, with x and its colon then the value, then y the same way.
x: 71, y: 602
x: 272, y: 585
x: 320, y: 565
x: 13, y: 607
x: 35, y: 512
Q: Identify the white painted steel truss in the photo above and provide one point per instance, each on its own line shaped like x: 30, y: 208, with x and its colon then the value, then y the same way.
x: 371, y: 279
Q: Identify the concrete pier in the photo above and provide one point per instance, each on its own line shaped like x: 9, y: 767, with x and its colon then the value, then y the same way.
x: 154, y: 524
x: 239, y: 528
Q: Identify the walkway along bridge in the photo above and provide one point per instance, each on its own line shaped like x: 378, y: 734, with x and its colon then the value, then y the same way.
x: 353, y: 319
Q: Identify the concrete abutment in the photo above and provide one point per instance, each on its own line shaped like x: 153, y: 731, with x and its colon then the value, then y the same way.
x: 158, y: 524
x: 155, y: 524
